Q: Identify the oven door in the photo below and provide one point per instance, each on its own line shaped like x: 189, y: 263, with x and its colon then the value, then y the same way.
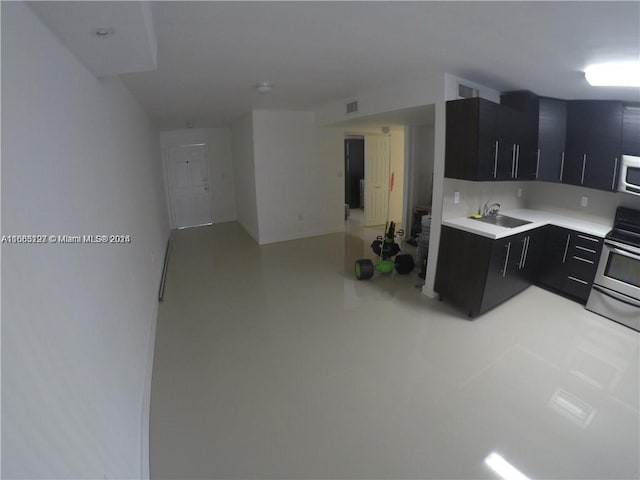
x: 619, y: 269
x: 615, y: 306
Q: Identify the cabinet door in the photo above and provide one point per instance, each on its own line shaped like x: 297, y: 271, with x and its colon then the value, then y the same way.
x: 531, y: 255
x: 552, y: 132
x: 631, y: 130
x: 462, y: 268
x: 524, y: 127
x: 503, y: 277
x: 604, y: 144
x: 578, y: 129
x: 551, y: 267
x: 601, y: 168
x: 470, y: 145
x: 497, y: 274
x: 574, y: 166
x: 507, y: 134
x: 486, y: 161
x: 594, y: 134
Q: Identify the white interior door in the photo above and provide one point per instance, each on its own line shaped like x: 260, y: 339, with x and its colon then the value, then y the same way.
x: 188, y: 176
x: 376, y: 179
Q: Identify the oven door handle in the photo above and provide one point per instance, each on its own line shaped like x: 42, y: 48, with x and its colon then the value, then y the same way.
x: 621, y: 246
x: 616, y: 296
x: 626, y: 253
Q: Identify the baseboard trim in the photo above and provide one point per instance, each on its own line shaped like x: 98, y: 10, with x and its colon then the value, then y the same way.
x: 304, y: 235
x: 145, y: 411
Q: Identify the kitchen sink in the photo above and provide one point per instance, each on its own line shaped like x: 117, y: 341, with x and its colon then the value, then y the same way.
x: 503, y: 221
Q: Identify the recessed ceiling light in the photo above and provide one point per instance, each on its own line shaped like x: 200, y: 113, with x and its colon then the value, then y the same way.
x: 103, y: 32
x: 264, y: 87
x: 620, y: 74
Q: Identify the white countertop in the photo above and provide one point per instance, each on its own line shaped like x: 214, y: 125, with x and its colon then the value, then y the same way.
x: 537, y: 218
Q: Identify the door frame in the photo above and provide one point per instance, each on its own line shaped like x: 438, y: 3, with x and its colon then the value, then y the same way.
x: 166, y: 164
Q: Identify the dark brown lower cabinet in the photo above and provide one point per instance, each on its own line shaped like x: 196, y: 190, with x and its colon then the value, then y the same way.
x: 569, y: 263
x: 478, y: 273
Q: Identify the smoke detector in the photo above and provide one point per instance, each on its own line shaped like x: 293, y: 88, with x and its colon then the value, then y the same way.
x: 263, y: 88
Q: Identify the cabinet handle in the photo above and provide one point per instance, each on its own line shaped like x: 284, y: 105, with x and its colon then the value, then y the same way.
x: 562, y: 167
x: 513, y: 160
x: 523, y: 255
x: 583, y: 260
x: 517, y: 159
x: 577, y: 280
x: 524, y: 247
x: 586, y: 249
x: 495, y: 162
x: 615, y: 172
x: 584, y: 163
x: 591, y: 239
x: 506, y: 260
x: 566, y: 248
x: 538, y: 164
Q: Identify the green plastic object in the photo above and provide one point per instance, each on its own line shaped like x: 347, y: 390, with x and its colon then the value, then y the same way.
x: 385, y: 266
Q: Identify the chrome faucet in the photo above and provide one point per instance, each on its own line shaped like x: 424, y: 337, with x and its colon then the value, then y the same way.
x: 492, y: 209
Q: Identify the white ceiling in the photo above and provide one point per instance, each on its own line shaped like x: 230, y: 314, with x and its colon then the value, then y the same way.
x: 211, y: 54
x: 131, y: 49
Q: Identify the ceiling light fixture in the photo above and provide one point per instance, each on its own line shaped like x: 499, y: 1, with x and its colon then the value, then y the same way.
x: 103, y: 32
x: 264, y: 88
x: 619, y: 74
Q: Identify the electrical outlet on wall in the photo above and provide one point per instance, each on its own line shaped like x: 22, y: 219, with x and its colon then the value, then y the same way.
x: 584, y: 202
x: 456, y: 197
x: 519, y: 192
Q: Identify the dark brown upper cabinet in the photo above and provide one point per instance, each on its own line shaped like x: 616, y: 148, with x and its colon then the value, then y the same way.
x: 552, y: 135
x: 526, y: 106
x: 526, y: 137
x: 543, y: 141
x: 485, y: 141
x: 594, y: 142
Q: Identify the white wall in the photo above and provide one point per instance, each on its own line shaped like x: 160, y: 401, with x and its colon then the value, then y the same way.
x: 474, y: 195
x: 244, y: 178
x: 299, y: 170
x: 565, y: 200
x: 78, y: 157
x: 413, y: 92
x: 218, y: 145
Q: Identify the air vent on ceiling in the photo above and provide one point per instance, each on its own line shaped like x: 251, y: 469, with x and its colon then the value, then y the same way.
x: 466, y: 92
x: 352, y: 107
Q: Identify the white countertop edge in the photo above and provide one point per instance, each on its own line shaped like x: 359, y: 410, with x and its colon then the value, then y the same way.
x: 537, y: 218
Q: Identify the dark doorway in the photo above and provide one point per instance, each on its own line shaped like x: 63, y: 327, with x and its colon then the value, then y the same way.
x: 354, y: 172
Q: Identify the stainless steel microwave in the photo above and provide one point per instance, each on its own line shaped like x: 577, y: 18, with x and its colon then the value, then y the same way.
x: 629, y: 181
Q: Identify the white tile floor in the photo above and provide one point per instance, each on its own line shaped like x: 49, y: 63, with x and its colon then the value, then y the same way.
x: 273, y: 362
